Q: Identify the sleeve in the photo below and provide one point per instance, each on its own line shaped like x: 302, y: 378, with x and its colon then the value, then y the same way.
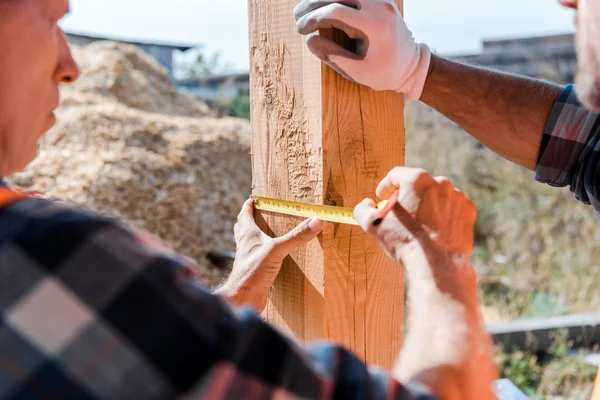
x: 570, y: 150
x: 101, y: 311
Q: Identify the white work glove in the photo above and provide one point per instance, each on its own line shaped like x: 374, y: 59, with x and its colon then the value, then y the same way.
x: 388, y: 57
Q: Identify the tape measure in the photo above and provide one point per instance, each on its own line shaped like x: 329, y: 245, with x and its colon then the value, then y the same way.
x: 340, y: 215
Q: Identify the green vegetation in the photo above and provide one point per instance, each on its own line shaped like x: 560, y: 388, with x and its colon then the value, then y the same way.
x: 197, y: 63
x: 537, y: 249
x: 239, y: 106
x: 556, y: 375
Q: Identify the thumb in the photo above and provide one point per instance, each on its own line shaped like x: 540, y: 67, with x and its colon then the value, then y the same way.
x: 366, y: 213
x: 302, y: 234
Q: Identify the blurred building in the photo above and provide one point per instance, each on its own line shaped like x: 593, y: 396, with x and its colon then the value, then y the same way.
x: 548, y: 57
x: 217, y: 87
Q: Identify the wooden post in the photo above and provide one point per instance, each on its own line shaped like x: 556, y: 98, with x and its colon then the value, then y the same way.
x: 319, y: 138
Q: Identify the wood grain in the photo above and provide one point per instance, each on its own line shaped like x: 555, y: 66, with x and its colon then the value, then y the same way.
x: 319, y: 138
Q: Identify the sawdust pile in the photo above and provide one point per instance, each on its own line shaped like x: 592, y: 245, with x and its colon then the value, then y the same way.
x: 181, y: 178
x: 122, y: 73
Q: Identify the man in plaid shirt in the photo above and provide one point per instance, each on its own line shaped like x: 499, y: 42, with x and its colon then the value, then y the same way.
x: 93, y: 309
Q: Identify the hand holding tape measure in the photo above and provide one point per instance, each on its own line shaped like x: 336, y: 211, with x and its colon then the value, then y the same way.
x: 334, y: 214
x: 424, y: 206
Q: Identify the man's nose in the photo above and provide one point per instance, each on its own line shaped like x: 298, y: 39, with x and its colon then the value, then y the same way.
x: 67, y: 70
x: 569, y: 3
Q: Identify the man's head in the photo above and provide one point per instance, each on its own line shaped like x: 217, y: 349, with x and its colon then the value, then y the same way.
x: 587, y: 41
x: 35, y: 58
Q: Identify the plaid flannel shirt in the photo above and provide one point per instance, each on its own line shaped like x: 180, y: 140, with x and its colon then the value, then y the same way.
x: 570, y: 149
x: 91, y: 309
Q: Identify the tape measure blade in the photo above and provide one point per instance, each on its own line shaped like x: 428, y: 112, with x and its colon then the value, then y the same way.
x: 305, y: 210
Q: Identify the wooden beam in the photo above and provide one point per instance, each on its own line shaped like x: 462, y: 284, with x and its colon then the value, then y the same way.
x: 539, y: 335
x: 319, y: 138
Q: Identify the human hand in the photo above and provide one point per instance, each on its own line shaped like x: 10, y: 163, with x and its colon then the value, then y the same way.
x: 430, y: 212
x: 431, y: 232
x: 387, y: 58
x: 259, y: 257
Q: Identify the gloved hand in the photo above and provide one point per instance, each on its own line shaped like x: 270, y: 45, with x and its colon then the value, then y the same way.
x: 388, y: 58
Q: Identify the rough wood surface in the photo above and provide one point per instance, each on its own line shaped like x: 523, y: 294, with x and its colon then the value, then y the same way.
x: 319, y: 138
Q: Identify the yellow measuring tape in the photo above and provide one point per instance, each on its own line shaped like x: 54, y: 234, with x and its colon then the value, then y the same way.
x: 340, y: 215
x: 326, y: 213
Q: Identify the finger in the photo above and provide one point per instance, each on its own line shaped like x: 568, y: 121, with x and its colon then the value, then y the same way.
x: 330, y: 15
x: 366, y: 214
x: 389, y: 184
x: 236, y: 233
x: 352, y: 66
x: 246, y: 216
x: 410, y: 224
x: 325, y: 48
x: 398, y: 225
x: 334, y: 15
x: 302, y: 234
x: 445, y: 184
x: 443, y: 191
x: 470, y: 212
x: 308, y: 6
x: 403, y: 176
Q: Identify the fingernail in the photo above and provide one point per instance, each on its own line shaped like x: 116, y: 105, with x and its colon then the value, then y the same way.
x: 315, y: 224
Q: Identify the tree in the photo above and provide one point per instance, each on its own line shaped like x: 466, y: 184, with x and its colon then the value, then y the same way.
x: 239, y: 106
x: 197, y: 63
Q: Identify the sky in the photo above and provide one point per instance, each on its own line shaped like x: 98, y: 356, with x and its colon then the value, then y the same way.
x: 448, y: 26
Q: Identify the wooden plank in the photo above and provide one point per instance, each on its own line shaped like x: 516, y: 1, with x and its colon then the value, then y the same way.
x: 538, y: 335
x: 319, y: 138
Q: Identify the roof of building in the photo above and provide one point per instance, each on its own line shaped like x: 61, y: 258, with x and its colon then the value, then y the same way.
x: 176, y: 46
x: 526, y: 48
x: 241, y: 77
x: 529, y: 41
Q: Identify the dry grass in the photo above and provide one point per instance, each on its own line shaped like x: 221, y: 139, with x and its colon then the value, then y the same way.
x: 537, y: 249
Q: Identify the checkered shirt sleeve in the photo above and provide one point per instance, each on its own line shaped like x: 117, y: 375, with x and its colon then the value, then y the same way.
x: 570, y: 150
x: 90, y: 309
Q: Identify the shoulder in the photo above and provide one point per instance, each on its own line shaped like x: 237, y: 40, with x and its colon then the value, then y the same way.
x: 30, y: 218
x: 51, y: 233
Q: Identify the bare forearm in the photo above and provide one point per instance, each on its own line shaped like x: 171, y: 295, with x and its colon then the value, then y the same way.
x: 438, y: 311
x: 507, y: 113
x: 242, y: 293
x: 446, y: 347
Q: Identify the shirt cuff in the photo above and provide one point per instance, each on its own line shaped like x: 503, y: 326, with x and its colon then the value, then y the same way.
x: 567, y: 131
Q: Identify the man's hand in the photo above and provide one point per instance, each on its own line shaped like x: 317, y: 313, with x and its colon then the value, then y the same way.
x: 431, y: 232
x: 258, y: 257
x: 387, y: 58
x: 429, y: 211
